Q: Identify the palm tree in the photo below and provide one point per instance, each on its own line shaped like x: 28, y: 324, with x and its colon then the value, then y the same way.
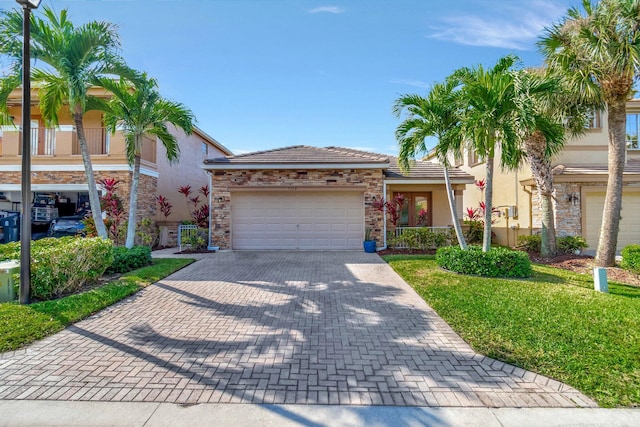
x: 437, y: 115
x: 138, y: 109
x: 70, y: 57
x: 599, y: 54
x: 547, y: 113
x: 488, y: 96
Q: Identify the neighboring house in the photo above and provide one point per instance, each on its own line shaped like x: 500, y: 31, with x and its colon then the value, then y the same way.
x: 319, y: 198
x: 57, y: 166
x: 580, y: 179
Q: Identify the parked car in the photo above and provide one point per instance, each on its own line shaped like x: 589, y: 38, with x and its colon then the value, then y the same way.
x: 67, y: 226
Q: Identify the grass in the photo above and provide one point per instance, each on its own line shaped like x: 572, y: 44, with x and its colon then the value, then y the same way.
x: 23, y: 324
x: 553, y: 323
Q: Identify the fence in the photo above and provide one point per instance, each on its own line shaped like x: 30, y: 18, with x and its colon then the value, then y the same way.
x: 186, y: 233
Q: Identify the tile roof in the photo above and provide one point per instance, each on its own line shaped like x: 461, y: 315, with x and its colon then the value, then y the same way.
x: 631, y: 168
x: 424, y: 170
x: 301, y: 154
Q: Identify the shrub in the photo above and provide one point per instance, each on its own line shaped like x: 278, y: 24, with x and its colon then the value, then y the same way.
x: 61, y: 266
x: 529, y: 243
x: 424, y: 238
x: 125, y: 260
x: 498, y: 262
x: 631, y: 258
x: 571, y: 244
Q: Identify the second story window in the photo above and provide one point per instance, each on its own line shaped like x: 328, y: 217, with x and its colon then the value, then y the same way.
x: 204, y: 148
x: 632, y: 131
x: 594, y: 121
x: 474, y: 158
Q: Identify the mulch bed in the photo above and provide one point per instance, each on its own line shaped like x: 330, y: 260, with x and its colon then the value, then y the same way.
x: 577, y: 263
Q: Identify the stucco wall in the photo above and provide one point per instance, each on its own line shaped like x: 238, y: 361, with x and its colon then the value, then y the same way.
x: 186, y: 171
x: 224, y: 181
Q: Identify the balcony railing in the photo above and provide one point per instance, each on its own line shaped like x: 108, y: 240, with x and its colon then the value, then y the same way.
x: 43, y: 142
x: 97, y: 141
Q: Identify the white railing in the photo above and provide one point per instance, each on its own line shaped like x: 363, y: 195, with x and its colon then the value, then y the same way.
x: 400, y: 230
x: 186, y: 233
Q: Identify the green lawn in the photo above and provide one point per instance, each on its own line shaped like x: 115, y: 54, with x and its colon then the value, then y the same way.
x: 23, y: 324
x: 552, y: 323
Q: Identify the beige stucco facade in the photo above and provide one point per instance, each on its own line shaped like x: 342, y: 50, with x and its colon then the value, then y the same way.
x: 517, y: 188
x: 57, y: 164
x: 194, y: 149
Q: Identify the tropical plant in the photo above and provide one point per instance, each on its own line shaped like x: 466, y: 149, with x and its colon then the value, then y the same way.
x: 137, y: 108
x: 70, y: 58
x: 438, y: 115
x: 488, y: 122
x: 112, y: 206
x: 547, y: 111
x: 199, y: 213
x: 598, y: 52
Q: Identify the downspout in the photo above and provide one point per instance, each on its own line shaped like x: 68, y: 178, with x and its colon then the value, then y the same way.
x: 210, y: 246
x: 524, y: 188
x: 384, y: 216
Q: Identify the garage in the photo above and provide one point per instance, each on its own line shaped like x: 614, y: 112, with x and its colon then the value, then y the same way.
x: 629, y: 224
x: 302, y: 220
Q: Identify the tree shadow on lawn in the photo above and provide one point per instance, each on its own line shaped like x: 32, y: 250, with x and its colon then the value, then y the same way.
x: 585, y: 281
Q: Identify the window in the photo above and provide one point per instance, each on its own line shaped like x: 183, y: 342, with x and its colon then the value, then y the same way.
x: 633, y: 120
x: 594, y: 121
x: 474, y: 158
x: 204, y: 148
x: 416, y: 210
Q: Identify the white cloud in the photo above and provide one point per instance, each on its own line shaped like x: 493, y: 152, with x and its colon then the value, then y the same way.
x: 327, y: 9
x: 511, y: 26
x: 411, y: 82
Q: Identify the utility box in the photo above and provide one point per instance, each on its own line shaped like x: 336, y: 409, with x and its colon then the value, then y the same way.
x: 7, y: 270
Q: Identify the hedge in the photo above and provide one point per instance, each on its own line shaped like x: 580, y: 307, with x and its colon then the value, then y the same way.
x: 125, y: 260
x: 61, y: 266
x: 498, y: 262
x: 631, y: 258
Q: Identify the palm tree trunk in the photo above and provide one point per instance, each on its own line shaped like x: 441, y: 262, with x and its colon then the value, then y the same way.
x: 488, y: 200
x: 541, y: 171
x: 133, y: 202
x: 94, y: 199
x: 617, y: 120
x: 452, y: 207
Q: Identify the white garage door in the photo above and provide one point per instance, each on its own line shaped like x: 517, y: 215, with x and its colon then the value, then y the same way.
x: 629, y: 224
x: 297, y: 220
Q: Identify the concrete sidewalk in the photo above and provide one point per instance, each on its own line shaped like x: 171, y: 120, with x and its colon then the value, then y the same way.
x: 88, y: 414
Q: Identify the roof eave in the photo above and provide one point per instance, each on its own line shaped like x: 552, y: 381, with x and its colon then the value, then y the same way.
x: 294, y: 166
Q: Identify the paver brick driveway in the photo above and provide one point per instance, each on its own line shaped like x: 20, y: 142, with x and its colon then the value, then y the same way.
x: 273, y: 327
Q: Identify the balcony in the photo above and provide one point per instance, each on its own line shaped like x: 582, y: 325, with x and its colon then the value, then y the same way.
x: 55, y: 142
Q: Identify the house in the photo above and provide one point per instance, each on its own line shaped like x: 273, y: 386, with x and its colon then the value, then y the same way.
x: 57, y: 167
x: 303, y: 197
x: 580, y: 177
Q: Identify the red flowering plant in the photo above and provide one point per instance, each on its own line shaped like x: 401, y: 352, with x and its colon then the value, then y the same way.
x: 165, y: 205
x: 423, y: 218
x: 112, y: 206
x: 394, y: 209
x: 199, y: 213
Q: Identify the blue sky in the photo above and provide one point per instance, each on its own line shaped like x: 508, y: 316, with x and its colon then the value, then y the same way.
x: 267, y: 74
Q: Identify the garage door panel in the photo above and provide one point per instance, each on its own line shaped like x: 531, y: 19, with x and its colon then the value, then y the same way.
x: 304, y: 220
x: 629, y: 222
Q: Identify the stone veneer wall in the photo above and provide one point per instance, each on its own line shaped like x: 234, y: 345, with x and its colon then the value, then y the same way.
x: 567, y: 214
x: 224, y: 181
x: 147, y: 188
